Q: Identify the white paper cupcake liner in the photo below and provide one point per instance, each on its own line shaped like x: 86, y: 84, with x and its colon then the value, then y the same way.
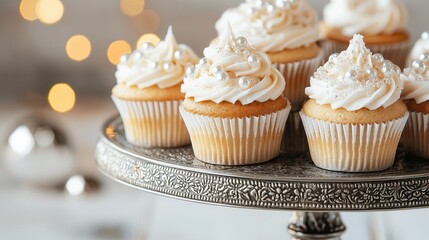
x: 297, y: 76
x: 236, y: 141
x: 416, y: 134
x: 397, y: 52
x: 153, y: 123
x: 353, y: 147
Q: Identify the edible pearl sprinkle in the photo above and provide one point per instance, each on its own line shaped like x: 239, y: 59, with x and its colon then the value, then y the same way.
x: 244, y: 82
x: 146, y: 45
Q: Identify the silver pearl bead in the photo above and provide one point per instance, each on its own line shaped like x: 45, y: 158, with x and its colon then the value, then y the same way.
x: 216, y: 69
x: 397, y: 69
x: 245, y: 53
x: 204, y: 62
x: 254, y: 60
x: 146, y: 45
x: 294, y: 3
x: 190, y: 71
x: 283, y: 4
x: 424, y: 57
x: 178, y: 54
x: 241, y: 41
x: 168, y: 67
x: 270, y: 8
x: 372, y: 73
x: 251, y: 11
x: 425, y: 35
x: 244, y: 82
x: 153, y: 65
x: 333, y: 57
x: 418, y: 66
x: 137, y: 55
x: 222, y: 76
x: 378, y: 58
x: 388, y: 65
x: 351, y: 74
x: 124, y: 58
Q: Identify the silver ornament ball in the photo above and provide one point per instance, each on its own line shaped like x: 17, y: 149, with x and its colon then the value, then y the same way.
x: 254, y: 60
x: 38, y: 153
x: 241, y: 41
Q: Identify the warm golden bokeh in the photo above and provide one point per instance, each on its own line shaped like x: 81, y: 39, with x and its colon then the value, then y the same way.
x: 27, y: 8
x: 116, y: 50
x: 78, y: 47
x: 49, y: 11
x: 61, y: 97
x: 132, y: 7
x: 149, y: 37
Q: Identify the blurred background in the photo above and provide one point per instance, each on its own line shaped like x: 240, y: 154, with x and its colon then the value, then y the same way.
x: 57, y: 65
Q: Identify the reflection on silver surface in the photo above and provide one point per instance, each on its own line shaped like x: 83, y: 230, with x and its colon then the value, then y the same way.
x: 37, y: 153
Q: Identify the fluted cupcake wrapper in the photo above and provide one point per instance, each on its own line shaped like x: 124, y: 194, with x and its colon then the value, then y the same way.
x: 416, y: 134
x: 396, y: 52
x: 153, y: 123
x: 236, y: 141
x: 353, y: 147
x: 297, y: 76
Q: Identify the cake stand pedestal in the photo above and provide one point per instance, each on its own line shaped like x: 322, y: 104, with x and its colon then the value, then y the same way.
x: 316, y: 196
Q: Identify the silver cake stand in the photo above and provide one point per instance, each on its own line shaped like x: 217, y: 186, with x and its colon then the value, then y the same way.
x: 316, y: 196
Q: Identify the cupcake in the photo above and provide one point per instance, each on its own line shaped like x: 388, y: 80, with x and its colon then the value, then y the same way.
x: 234, y: 109
x: 148, y: 94
x: 382, y: 22
x: 354, y: 118
x: 420, y: 48
x: 287, y: 30
x: 416, y: 97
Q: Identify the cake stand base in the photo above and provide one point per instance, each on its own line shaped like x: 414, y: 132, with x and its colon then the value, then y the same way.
x: 316, y: 225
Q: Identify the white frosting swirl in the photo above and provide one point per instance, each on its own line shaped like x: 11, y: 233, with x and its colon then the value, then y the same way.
x: 232, y: 71
x: 163, y: 65
x: 356, y: 79
x: 420, y: 47
x: 416, y: 81
x: 273, y: 26
x: 369, y: 17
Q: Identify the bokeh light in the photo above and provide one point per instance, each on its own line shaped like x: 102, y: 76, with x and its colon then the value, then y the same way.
x: 27, y: 8
x: 132, y: 7
x: 49, y: 11
x: 78, y: 47
x: 116, y: 50
x: 149, y: 37
x: 61, y: 97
